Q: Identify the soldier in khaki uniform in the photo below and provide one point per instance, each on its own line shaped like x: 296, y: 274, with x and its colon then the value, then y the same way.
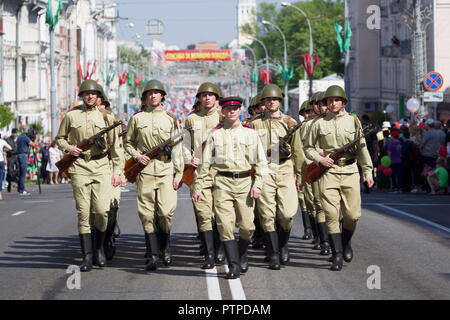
x: 339, y: 186
x: 278, y: 203
x: 157, y: 183
x: 232, y: 150
x: 112, y: 230
x: 201, y: 123
x: 91, y: 174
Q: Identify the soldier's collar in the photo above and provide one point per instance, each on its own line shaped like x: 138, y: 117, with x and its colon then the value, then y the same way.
x: 234, y: 126
x: 205, y: 112
x: 88, y: 108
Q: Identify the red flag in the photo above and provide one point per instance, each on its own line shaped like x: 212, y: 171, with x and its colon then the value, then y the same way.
x: 263, y: 74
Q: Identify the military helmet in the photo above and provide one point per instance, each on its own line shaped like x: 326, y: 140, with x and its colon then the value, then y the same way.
x: 88, y: 85
x: 315, y: 98
x: 154, y: 85
x: 305, y: 106
x: 271, y: 91
x: 252, y: 102
x: 335, y: 91
x: 321, y: 96
x: 209, y: 87
x: 104, y: 96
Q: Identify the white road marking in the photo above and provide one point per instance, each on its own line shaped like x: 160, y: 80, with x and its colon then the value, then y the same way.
x: 435, y: 225
x: 237, y: 291
x: 38, y: 201
x: 17, y: 213
x: 212, y: 282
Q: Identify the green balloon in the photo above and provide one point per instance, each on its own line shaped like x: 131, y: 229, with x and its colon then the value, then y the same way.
x: 386, y: 161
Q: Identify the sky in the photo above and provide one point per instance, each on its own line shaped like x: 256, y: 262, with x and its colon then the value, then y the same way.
x: 185, y: 21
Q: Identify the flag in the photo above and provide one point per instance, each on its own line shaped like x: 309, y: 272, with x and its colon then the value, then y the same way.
x: 53, y: 13
x: 347, y: 36
x: 340, y: 42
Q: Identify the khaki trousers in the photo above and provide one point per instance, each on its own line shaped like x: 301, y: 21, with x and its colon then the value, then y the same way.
x: 204, y: 210
x: 317, y: 202
x: 156, y: 192
x: 92, y: 195
x: 340, y: 194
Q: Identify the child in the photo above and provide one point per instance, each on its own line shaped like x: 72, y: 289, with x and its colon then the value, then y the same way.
x: 438, y: 179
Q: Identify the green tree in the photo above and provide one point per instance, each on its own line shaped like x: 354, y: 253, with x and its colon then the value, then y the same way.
x: 322, y: 14
x: 6, y: 116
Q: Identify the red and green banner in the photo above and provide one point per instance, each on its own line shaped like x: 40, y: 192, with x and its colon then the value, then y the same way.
x: 197, y: 55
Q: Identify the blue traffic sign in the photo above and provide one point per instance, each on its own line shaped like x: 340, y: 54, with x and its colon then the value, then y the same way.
x: 433, y: 81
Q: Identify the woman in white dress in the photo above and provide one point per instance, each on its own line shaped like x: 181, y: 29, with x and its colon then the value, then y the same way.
x: 54, y: 157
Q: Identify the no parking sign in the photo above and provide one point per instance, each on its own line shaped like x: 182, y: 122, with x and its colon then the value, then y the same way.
x: 433, y: 81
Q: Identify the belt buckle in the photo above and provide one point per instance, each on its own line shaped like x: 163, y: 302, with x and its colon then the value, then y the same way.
x: 341, y: 162
x: 235, y: 175
x: 164, y: 158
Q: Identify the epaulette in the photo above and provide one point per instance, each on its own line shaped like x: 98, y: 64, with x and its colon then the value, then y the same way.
x: 256, y: 117
x: 137, y: 112
x: 174, y: 118
x: 288, y: 120
x: 74, y: 108
x: 247, y: 126
x: 220, y: 125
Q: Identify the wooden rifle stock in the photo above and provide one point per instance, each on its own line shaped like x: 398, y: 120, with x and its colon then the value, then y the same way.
x: 315, y: 171
x: 189, y: 169
x: 64, y: 164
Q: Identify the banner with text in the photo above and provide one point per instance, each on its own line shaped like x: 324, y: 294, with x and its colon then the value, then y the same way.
x: 197, y: 55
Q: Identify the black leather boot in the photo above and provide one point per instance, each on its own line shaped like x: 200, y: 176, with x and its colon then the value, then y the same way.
x: 306, y: 226
x: 116, y: 230
x: 151, y: 242
x: 208, y: 243
x: 99, y: 253
x: 283, y: 239
x: 165, y: 248
x: 315, y: 232
x: 218, y: 246
x: 273, y: 250
x: 86, y: 251
x: 232, y: 253
x: 346, y: 244
x: 336, y: 249
x: 243, y: 249
x: 324, y: 244
x: 109, y: 246
x: 258, y: 235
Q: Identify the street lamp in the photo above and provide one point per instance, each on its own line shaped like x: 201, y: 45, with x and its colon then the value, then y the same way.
x: 267, y: 56
x: 254, y: 59
x: 286, y: 84
x: 311, y: 48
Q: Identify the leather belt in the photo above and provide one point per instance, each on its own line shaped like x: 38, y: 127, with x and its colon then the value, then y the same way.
x: 97, y: 157
x: 162, y: 157
x: 234, y: 175
x: 344, y: 162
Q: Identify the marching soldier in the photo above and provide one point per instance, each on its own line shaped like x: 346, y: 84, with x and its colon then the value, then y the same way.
x: 339, y: 186
x: 112, y: 230
x: 91, y: 174
x: 201, y: 123
x: 157, y: 183
x: 276, y: 207
x: 232, y: 150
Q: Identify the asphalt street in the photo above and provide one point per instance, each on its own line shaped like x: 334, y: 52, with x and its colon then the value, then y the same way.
x: 401, y: 252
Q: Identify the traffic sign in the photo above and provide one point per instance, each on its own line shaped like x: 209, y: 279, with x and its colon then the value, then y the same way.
x: 433, y: 81
x: 433, y: 96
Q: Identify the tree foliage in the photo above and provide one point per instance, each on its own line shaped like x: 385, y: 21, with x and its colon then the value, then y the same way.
x: 6, y: 116
x: 322, y: 14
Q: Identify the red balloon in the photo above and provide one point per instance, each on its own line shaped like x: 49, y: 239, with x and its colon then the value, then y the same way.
x: 387, y: 172
x: 381, y: 168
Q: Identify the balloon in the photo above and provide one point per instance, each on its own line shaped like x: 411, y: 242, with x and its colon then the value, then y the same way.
x: 413, y: 104
x: 389, y: 109
x: 381, y: 168
x: 387, y: 172
x: 386, y: 161
x: 421, y: 125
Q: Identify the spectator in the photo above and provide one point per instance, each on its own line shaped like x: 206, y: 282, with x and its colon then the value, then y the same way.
x: 395, y: 153
x: 3, y: 145
x: 431, y: 141
x: 44, y: 155
x: 12, y: 174
x: 52, y: 169
x: 408, y: 161
x: 438, y: 179
x: 23, y: 145
x: 447, y: 142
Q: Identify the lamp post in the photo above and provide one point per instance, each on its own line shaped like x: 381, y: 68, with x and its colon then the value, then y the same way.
x: 311, y: 45
x: 254, y: 62
x: 286, y: 83
x: 267, y: 56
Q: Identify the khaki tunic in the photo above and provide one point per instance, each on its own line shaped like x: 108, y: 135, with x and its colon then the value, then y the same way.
x: 279, y: 199
x: 154, y: 185
x: 91, y: 179
x: 339, y: 186
x: 232, y: 149
x: 201, y: 124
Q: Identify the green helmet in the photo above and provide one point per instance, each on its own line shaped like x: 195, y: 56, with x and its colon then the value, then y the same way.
x: 209, y: 87
x: 88, y: 85
x: 104, y: 96
x: 154, y: 85
x: 335, y: 91
x: 315, y: 98
x: 305, y: 106
x: 320, y: 97
x: 271, y: 91
x: 252, y: 102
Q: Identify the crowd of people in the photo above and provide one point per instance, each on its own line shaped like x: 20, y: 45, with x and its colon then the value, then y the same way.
x: 411, y: 157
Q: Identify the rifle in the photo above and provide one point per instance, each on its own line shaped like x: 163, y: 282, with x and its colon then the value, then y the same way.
x: 64, y: 164
x: 124, y: 132
x: 133, y: 168
x: 315, y: 171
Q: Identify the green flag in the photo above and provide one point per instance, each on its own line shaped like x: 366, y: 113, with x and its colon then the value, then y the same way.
x: 348, y: 35
x: 53, y: 12
x: 340, y: 42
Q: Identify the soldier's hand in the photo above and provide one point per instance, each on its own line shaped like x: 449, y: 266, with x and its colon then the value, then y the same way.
x: 123, y: 182
x: 115, y: 180
x: 74, y: 150
x: 197, y: 197
x: 299, y: 186
x: 176, y: 184
x: 143, y: 159
x: 327, y: 162
x: 255, y: 193
x: 369, y: 182
x: 195, y: 162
